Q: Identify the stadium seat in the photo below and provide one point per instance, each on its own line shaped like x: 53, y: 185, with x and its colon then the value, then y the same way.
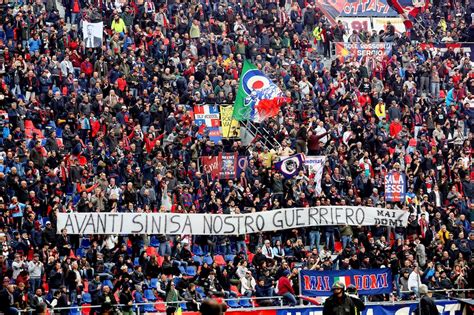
x: 184, y: 307
x: 200, y: 290
x: 197, y: 259
x: 136, y: 261
x: 59, y: 132
x: 86, y: 309
x: 197, y: 250
x: 149, y: 308
x: 229, y: 257
x: 75, y: 310
x: 191, y: 271
x: 176, y: 281
x: 85, y: 286
x: 151, y: 251
x: 86, y: 298
x: 154, y: 242
x: 159, y: 260
x: 219, y: 260
x: 85, y: 242
x: 208, y: 260
x: 160, y: 306
x: 245, y: 302
x: 153, y: 283
x: 233, y: 303
x: 149, y: 295
x: 81, y: 252
x: 108, y: 283
x: 234, y: 289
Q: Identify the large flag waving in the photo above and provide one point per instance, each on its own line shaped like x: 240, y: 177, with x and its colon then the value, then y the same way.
x: 408, y: 8
x: 258, y: 98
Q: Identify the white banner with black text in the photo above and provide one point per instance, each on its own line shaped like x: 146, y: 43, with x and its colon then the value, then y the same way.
x: 226, y: 224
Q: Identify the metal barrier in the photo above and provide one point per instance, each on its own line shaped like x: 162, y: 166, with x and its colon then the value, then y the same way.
x: 280, y: 299
x: 136, y: 306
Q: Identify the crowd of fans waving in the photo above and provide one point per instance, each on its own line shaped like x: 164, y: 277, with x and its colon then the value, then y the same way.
x: 110, y: 129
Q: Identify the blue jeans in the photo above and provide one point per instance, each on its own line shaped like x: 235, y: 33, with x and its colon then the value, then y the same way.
x: 248, y: 293
x: 396, y: 279
x: 179, y: 263
x: 289, y: 298
x: 435, y: 89
x: 346, y: 239
x: 330, y: 240
x: 164, y: 249
x: 35, y: 283
x: 315, y: 239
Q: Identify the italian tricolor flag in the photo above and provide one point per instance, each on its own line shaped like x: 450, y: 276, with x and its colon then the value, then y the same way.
x: 345, y: 280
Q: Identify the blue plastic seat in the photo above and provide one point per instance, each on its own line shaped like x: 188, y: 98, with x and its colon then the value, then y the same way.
x: 85, y: 242
x: 149, y: 295
x: 197, y: 250
x: 191, y: 271
x: 184, y: 307
x: 75, y: 311
x: 197, y: 259
x: 229, y: 257
x: 149, y: 308
x: 245, y: 302
x: 153, y: 283
x: 86, y: 298
x: 208, y: 260
x: 59, y: 132
x: 233, y: 303
x: 108, y: 283
x: 182, y: 270
x: 154, y: 242
x: 81, y: 252
x: 200, y: 290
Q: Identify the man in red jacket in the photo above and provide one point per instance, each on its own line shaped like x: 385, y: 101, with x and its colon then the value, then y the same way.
x: 285, y: 289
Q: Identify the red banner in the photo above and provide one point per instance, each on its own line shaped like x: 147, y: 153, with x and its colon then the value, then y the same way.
x: 212, y: 165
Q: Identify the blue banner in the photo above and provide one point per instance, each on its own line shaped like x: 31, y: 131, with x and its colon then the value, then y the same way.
x: 395, y: 187
x: 445, y: 307
x: 367, y: 281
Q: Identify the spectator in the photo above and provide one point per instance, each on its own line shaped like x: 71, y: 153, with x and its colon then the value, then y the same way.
x: 285, y: 288
x: 247, y: 284
x: 193, y: 298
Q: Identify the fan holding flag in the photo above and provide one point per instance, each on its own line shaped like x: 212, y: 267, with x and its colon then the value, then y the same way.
x: 258, y: 98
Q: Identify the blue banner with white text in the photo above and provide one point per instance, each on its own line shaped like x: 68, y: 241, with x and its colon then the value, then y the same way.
x: 367, y: 281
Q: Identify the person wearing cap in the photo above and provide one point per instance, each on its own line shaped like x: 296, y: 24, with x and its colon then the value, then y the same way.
x: 285, y: 288
x: 352, y: 293
x: 339, y: 303
x: 426, y: 305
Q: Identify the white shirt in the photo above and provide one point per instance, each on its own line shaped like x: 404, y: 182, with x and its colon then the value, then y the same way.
x: 414, y: 280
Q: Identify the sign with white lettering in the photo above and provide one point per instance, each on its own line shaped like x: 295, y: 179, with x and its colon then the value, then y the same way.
x: 226, y: 224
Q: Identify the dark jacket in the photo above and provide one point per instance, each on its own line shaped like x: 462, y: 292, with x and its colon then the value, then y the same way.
x: 427, y: 306
x: 343, y: 306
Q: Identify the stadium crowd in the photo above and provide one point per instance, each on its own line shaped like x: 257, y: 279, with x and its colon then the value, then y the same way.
x: 124, y: 109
